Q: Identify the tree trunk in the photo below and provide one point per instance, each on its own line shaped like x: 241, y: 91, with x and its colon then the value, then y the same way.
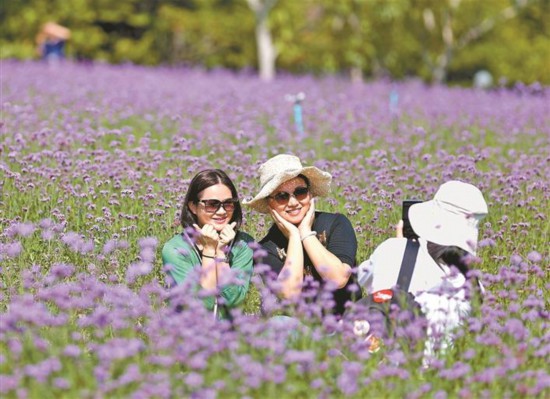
x: 439, y: 73
x: 264, y: 43
x: 266, y: 51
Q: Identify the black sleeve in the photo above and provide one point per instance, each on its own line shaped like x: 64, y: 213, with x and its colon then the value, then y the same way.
x: 342, y: 241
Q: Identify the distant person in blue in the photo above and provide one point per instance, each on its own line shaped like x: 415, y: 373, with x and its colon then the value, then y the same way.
x: 51, y: 42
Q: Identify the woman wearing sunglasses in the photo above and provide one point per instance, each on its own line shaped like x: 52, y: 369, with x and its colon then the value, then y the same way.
x: 211, y: 240
x: 301, y: 241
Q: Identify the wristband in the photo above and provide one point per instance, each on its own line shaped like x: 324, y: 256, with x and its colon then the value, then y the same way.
x: 224, y: 259
x: 310, y: 234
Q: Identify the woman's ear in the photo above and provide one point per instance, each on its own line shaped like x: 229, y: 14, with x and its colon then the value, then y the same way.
x: 192, y: 207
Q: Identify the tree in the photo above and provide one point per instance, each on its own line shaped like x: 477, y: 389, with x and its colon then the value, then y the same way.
x: 453, y: 42
x: 264, y: 43
x: 437, y: 40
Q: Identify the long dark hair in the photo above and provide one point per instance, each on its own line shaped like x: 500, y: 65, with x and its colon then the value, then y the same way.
x: 201, y: 181
x: 450, y: 255
x: 455, y: 256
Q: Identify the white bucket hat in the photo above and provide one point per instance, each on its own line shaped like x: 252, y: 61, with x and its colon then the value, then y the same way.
x: 284, y: 167
x: 452, y: 217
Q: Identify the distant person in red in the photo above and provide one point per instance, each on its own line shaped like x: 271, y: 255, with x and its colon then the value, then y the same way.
x: 51, y: 42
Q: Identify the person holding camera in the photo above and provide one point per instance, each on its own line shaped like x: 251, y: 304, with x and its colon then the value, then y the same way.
x: 211, y: 241
x: 303, y: 242
x: 434, y: 259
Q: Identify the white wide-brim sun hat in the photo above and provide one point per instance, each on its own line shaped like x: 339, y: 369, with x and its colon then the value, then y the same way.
x: 284, y: 167
x: 452, y: 217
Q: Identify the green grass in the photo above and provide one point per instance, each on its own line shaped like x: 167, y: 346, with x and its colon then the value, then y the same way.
x: 140, y: 193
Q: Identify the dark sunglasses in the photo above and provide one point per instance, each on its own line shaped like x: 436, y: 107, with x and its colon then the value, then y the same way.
x: 282, y: 197
x: 212, y: 205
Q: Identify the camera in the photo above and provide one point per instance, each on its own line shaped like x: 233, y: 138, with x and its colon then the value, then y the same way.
x: 408, y: 231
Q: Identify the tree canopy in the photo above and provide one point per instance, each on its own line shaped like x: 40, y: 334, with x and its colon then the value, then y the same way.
x: 437, y: 40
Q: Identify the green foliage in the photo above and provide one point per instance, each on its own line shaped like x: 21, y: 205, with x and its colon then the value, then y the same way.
x: 379, y: 38
x: 207, y: 36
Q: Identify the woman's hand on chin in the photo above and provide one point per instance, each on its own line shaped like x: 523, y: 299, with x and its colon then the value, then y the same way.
x: 287, y: 228
x: 307, y: 222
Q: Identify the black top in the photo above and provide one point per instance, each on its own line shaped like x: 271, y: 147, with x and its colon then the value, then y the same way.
x: 336, y: 233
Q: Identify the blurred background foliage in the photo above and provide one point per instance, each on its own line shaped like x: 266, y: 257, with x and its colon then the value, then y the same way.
x: 437, y: 40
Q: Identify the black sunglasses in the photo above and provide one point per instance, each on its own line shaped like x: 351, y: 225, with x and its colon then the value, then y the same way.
x: 212, y: 205
x: 282, y: 197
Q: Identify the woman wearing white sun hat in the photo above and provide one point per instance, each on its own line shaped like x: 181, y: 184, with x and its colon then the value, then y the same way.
x: 301, y: 241
x: 447, y: 227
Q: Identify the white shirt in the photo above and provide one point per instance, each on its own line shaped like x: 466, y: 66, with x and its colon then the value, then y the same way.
x: 439, y: 292
x: 381, y: 270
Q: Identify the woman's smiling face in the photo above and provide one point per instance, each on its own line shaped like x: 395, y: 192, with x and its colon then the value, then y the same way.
x: 293, y: 210
x: 221, y: 217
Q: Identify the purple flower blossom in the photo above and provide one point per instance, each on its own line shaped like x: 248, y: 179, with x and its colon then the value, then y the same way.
x: 119, y: 348
x: 515, y: 260
x: 198, y: 361
x: 347, y: 381
x: 194, y: 379
x: 21, y: 229
x: 487, y: 242
x: 98, y: 146
x: 317, y: 384
x: 155, y: 385
x: 534, y: 257
x: 458, y: 370
x: 9, y: 383
x: 42, y: 370
x: 469, y: 354
x: 138, y: 269
x: 13, y: 250
x: 47, y: 235
x: 517, y: 329
x: 46, y: 223
x: 147, y: 254
x: 77, y: 243
x: 305, y: 358
x: 109, y: 247
x: 130, y: 375
x: 162, y: 360
x: 61, y: 383
x: 148, y: 242
x: 101, y: 373
x: 183, y: 251
x: 61, y: 270
x: 72, y: 351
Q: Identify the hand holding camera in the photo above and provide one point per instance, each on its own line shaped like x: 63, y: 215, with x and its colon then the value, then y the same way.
x: 405, y: 227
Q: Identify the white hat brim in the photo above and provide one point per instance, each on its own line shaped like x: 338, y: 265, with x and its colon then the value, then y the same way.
x: 439, y: 226
x: 319, y: 185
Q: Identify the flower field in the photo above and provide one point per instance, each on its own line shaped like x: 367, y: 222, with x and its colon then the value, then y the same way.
x: 94, y: 164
